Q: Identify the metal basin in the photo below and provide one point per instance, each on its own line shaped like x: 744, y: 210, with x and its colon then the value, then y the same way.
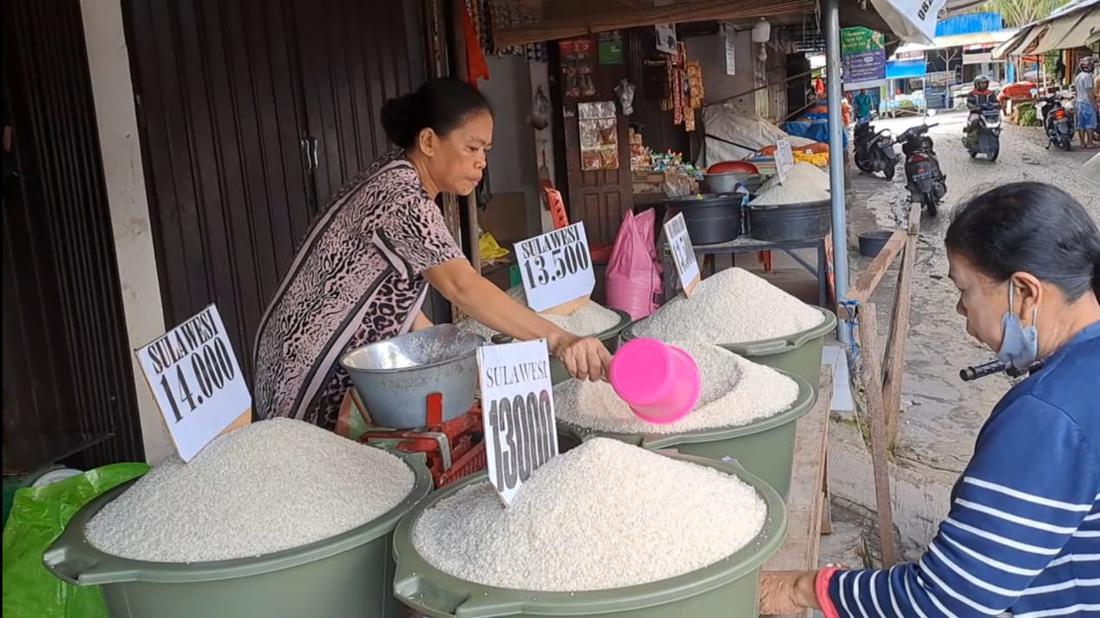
x: 395, y: 377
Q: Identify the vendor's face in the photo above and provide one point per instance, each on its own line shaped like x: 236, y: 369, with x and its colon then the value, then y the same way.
x: 982, y: 300
x: 457, y: 160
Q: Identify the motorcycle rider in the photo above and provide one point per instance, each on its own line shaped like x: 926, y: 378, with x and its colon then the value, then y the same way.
x: 1085, y: 86
x: 981, y: 95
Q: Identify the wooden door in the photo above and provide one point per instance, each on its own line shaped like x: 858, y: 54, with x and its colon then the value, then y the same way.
x: 67, y: 372
x: 599, y: 198
x: 227, y: 170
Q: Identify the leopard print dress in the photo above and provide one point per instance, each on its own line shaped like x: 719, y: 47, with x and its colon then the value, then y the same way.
x: 357, y: 279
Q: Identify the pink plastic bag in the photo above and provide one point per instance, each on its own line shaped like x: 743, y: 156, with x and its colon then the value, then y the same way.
x: 633, y: 272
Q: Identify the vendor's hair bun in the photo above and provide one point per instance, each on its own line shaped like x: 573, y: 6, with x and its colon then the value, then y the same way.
x: 440, y: 104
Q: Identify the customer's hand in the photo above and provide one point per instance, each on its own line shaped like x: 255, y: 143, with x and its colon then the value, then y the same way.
x: 584, y: 359
x: 787, y: 592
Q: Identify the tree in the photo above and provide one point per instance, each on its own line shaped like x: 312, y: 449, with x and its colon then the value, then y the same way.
x: 1017, y: 13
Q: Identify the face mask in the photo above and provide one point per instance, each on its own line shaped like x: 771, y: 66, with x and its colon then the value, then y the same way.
x: 1020, y: 345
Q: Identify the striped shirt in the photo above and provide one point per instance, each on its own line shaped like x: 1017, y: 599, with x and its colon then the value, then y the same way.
x: 1023, y: 532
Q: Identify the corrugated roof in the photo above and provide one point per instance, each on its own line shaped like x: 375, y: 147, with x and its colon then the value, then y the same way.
x: 970, y: 23
x: 960, y: 40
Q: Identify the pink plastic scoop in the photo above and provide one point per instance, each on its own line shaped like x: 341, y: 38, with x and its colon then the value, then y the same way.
x: 659, y: 382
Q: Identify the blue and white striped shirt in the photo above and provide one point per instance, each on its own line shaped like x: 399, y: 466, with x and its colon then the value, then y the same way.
x: 1023, y: 533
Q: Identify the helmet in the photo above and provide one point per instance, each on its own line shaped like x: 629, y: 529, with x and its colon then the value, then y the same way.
x: 981, y: 82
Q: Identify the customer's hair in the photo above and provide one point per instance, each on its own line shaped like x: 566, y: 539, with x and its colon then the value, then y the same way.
x: 1030, y: 227
x: 441, y: 104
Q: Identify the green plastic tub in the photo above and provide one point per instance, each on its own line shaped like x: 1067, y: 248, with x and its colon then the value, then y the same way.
x: 347, y: 575
x: 730, y: 587
x: 765, y: 447
x: 799, y: 353
x: 609, y: 337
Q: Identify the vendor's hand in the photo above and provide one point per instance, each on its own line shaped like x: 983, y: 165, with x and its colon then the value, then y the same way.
x: 584, y: 359
x: 787, y: 592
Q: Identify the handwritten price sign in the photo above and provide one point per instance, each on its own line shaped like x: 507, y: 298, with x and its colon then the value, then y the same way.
x: 683, y: 253
x: 196, y: 381
x: 517, y: 400
x: 556, y: 267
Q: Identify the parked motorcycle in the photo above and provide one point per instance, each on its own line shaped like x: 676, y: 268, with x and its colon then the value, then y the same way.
x: 925, y: 180
x: 1056, y: 122
x: 988, y: 139
x: 874, y: 152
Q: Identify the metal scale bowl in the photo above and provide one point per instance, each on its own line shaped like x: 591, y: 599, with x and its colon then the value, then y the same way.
x: 394, y: 378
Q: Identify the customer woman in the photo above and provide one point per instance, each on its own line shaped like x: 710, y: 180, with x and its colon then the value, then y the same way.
x: 1023, y: 532
x: 362, y: 274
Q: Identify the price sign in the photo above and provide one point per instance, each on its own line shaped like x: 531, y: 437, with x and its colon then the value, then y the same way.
x: 784, y: 158
x: 196, y: 380
x: 556, y: 267
x: 683, y: 253
x: 517, y: 403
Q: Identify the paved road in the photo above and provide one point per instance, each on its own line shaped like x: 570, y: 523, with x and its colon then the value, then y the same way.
x: 941, y: 414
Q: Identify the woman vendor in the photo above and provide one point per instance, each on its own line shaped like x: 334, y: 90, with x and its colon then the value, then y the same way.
x: 361, y: 275
x: 1023, y: 532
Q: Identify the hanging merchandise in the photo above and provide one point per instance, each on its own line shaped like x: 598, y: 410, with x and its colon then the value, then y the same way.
x: 666, y: 38
x: 539, y: 118
x: 695, y: 93
x: 611, y: 47
x: 599, y: 136
x: 476, y: 67
x: 576, y: 65
x: 625, y: 92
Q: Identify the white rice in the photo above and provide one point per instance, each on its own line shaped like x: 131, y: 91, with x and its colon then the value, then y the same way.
x: 603, y: 515
x: 732, y: 306
x: 736, y: 392
x: 804, y: 183
x: 591, y: 319
x: 273, y: 485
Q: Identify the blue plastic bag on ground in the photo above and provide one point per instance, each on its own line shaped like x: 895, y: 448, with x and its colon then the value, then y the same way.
x: 38, y: 516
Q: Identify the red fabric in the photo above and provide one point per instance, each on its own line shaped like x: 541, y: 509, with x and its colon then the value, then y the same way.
x: 821, y: 587
x: 476, y: 67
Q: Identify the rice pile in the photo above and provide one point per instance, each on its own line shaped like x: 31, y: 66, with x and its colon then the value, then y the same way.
x: 590, y: 319
x: 736, y: 392
x: 603, y: 515
x: 732, y: 306
x: 805, y: 183
x: 270, y: 486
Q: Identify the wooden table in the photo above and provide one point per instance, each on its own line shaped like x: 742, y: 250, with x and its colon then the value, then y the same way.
x: 808, y: 514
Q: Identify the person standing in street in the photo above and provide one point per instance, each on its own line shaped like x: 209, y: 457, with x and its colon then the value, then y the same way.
x: 1085, y: 89
x: 863, y: 103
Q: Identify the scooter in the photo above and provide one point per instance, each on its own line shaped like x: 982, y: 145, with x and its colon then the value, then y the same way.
x: 874, y: 152
x: 925, y: 180
x: 1056, y: 123
x: 988, y: 140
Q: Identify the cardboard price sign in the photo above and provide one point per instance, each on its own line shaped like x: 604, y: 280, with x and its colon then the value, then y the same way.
x: 196, y: 381
x: 784, y: 158
x: 556, y: 268
x: 683, y: 253
x: 517, y: 403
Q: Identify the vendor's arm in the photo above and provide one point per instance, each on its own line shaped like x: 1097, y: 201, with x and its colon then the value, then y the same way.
x: 485, y: 302
x: 421, y: 322
x: 416, y: 241
x: 1033, y: 480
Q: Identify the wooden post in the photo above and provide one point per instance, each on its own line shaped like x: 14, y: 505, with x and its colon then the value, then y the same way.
x: 894, y: 365
x: 876, y: 410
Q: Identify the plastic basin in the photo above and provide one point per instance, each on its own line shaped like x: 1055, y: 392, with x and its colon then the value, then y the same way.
x: 346, y: 575
x: 798, y: 353
x: 730, y: 587
x: 871, y: 243
x: 765, y: 447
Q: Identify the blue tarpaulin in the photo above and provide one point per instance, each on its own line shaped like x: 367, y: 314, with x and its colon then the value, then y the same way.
x: 970, y: 23
x: 814, y: 126
x: 906, y: 69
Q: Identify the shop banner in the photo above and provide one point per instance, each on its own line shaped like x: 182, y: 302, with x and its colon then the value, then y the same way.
x: 517, y: 403
x: 683, y: 253
x: 196, y: 381
x: 912, y: 20
x: 863, y: 52
x: 556, y: 268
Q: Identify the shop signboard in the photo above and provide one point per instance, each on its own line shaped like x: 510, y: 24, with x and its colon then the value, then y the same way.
x: 517, y: 403
x: 912, y: 20
x: 197, y: 382
x: 784, y: 158
x: 863, y: 52
x: 683, y: 253
x: 556, y: 268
